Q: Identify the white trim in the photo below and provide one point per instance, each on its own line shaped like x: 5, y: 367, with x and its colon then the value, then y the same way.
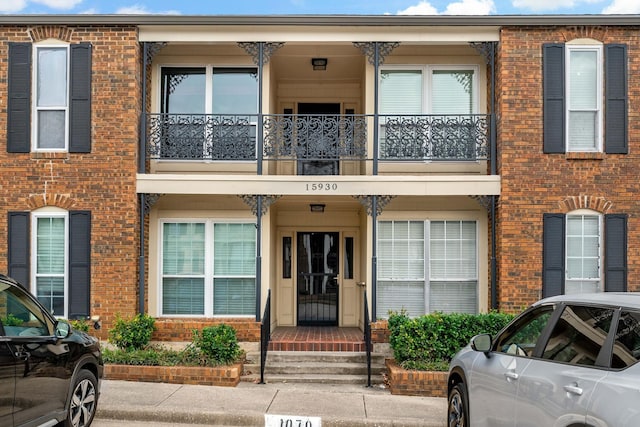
x: 34, y: 253
x: 49, y: 44
x: 426, y: 71
x: 208, y: 275
x: 598, y: 49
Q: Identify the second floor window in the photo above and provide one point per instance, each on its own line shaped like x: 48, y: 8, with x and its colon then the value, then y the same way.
x: 427, y: 113
x: 51, y: 100
x: 584, y: 82
x: 209, y: 90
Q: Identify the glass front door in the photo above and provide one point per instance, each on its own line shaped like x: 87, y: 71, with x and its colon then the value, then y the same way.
x: 317, y: 282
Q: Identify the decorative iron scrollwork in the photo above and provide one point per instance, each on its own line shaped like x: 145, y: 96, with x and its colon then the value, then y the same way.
x: 430, y: 137
x: 484, y: 49
x: 252, y: 201
x: 367, y: 202
x: 307, y: 137
x: 149, y: 199
x: 253, y: 49
x: 202, y: 137
x: 369, y: 50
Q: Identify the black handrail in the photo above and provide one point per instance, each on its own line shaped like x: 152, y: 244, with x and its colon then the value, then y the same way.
x: 265, y: 335
x: 367, y: 338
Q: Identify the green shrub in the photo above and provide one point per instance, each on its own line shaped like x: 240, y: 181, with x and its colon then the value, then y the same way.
x: 133, y: 334
x: 79, y: 325
x: 436, y: 337
x: 11, y: 320
x: 218, y: 344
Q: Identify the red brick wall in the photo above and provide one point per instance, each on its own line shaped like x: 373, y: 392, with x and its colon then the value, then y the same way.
x: 103, y: 181
x: 534, y: 183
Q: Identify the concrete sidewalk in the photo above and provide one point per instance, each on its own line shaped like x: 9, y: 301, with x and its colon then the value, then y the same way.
x: 247, y: 404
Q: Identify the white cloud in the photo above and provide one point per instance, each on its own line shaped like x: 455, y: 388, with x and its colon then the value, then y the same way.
x: 462, y: 7
x: 550, y: 5
x: 422, y: 8
x: 12, y: 6
x: 59, y: 4
x: 471, y: 7
x: 622, y: 7
x: 142, y: 10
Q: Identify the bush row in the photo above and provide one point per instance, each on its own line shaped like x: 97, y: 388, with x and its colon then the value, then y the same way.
x: 430, y: 341
x: 213, y: 346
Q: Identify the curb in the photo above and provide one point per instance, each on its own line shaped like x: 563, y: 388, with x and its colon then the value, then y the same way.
x: 245, y: 420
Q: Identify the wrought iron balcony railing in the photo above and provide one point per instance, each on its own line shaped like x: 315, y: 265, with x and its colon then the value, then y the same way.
x: 317, y: 138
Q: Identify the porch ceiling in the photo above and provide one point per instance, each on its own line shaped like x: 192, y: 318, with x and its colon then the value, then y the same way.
x: 440, y: 185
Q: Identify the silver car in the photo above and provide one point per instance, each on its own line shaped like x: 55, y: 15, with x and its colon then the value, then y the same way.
x: 567, y: 361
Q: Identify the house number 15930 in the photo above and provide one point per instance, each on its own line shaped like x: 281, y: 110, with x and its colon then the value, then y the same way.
x: 322, y: 186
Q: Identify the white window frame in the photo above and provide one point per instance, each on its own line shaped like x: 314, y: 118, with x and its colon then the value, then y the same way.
x: 209, y: 275
x: 585, y: 213
x: 598, y: 144
x: 35, y: 216
x: 427, y: 70
x: 427, y: 279
x: 49, y: 44
x: 208, y: 85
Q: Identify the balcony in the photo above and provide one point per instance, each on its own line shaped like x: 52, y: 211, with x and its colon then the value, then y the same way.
x: 317, y: 143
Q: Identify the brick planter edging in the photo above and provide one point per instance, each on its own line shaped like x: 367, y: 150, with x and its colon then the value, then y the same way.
x: 227, y: 376
x: 415, y: 383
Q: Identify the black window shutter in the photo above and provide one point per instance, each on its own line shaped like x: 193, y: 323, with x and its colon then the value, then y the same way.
x: 18, y: 250
x: 80, y: 99
x: 19, y: 98
x: 616, y: 102
x: 615, y: 253
x: 553, y: 254
x: 553, y: 97
x: 79, y: 264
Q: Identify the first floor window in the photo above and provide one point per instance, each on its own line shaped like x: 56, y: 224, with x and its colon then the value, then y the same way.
x: 208, y: 268
x: 50, y: 256
x: 427, y: 266
x: 583, y: 254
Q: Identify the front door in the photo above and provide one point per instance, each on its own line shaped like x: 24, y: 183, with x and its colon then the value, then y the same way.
x: 318, y: 134
x: 317, y: 281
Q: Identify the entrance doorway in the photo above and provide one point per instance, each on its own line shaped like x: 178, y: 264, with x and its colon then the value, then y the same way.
x: 317, y: 281
x: 320, y: 138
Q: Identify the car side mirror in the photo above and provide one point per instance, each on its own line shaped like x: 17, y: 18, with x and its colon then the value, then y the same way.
x: 62, y: 329
x: 481, y: 343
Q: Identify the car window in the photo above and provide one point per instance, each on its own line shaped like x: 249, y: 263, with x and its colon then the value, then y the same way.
x: 579, y: 335
x: 20, y: 316
x: 520, y: 337
x: 626, y: 348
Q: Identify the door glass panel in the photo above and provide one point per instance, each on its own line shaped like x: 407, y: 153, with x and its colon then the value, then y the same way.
x: 318, y: 279
x: 286, y: 257
x: 626, y: 349
x: 348, y: 258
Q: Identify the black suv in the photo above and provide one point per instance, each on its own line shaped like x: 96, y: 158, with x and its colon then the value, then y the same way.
x: 49, y: 372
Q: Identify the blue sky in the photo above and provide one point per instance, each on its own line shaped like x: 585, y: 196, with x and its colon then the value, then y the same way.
x: 313, y: 7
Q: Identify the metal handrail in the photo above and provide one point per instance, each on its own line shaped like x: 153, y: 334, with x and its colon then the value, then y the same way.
x: 367, y: 337
x: 265, y: 335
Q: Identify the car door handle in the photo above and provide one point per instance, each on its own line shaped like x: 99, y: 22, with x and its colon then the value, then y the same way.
x: 511, y: 375
x: 573, y: 389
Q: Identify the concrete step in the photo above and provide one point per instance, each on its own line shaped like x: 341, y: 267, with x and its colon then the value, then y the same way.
x: 315, y: 367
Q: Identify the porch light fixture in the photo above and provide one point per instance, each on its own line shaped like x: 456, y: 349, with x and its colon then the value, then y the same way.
x: 319, y: 63
x: 316, y: 207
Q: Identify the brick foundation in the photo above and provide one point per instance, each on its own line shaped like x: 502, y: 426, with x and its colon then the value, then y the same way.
x: 416, y: 383
x: 226, y: 376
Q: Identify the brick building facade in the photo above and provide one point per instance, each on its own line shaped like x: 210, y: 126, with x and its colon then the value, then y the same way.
x: 94, y: 186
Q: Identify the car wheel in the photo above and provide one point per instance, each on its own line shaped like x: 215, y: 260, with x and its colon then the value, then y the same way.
x: 83, y: 400
x: 457, y: 413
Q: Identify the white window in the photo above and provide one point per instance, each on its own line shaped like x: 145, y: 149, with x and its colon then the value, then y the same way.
x: 51, y: 89
x: 583, y: 252
x: 49, y: 260
x: 428, y: 90
x: 584, y: 97
x: 208, y: 268
x: 427, y: 266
